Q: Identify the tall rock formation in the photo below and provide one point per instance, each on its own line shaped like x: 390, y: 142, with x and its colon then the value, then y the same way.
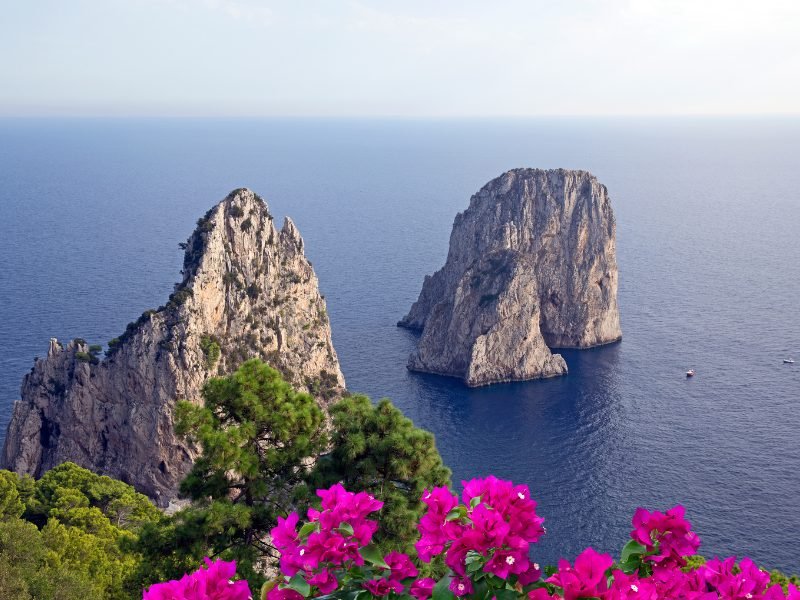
x: 247, y: 291
x: 531, y: 266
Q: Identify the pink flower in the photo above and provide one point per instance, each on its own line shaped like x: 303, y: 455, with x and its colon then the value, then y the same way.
x: 670, y: 531
x: 400, y: 565
x: 325, y: 581
x: 382, y: 587
x: 630, y: 587
x: 422, y: 589
x: 533, y: 573
x: 587, y: 578
x: 746, y: 581
x: 539, y: 594
x: 284, y: 594
x: 215, y: 582
x: 505, y: 562
x: 284, y: 534
x: 461, y: 586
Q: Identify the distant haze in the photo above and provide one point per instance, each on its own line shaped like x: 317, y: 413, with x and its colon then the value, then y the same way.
x: 409, y: 58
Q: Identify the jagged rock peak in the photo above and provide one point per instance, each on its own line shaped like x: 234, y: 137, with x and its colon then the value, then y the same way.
x: 531, y: 266
x: 247, y: 291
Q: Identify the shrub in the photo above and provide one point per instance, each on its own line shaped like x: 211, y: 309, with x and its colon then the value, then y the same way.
x: 210, y: 347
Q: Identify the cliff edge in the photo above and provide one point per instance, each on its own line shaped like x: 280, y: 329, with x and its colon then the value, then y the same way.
x: 531, y: 266
x: 247, y: 291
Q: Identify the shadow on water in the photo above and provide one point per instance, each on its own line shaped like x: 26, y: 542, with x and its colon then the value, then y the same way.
x: 556, y: 435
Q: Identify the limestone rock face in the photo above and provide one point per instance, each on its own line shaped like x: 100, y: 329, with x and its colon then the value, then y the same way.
x: 247, y: 291
x: 531, y: 266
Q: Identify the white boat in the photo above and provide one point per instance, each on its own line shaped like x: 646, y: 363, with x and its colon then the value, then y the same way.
x: 690, y: 373
x: 788, y: 361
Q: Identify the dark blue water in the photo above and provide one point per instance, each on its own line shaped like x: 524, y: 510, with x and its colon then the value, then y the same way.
x: 708, y: 213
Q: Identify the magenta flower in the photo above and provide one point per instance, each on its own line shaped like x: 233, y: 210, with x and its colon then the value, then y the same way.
x: 730, y: 581
x: 284, y: 535
x: 325, y: 581
x: 587, y: 578
x: 631, y: 587
x: 284, y: 594
x: 422, y: 589
x: 670, y: 531
x: 505, y: 562
x: 215, y: 582
x: 400, y: 565
x: 382, y: 587
x: 461, y: 586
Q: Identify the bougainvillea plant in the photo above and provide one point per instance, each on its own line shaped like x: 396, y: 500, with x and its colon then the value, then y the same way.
x: 485, y: 540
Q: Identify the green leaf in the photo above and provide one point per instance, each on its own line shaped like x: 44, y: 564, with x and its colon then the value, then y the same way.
x: 345, y: 528
x: 308, y: 528
x: 372, y: 555
x: 299, y: 584
x: 632, y: 548
x: 458, y: 512
x: 474, y: 567
x: 441, y: 591
x: 474, y: 502
x: 472, y: 557
x: 481, y: 589
x: 506, y: 594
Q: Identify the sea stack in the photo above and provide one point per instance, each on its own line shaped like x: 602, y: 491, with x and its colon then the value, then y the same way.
x: 247, y: 291
x: 531, y: 267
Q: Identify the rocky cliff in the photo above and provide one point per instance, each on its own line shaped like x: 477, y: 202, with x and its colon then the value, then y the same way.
x: 531, y: 266
x: 247, y: 291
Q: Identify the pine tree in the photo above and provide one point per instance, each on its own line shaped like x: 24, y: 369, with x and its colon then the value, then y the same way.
x: 377, y: 449
x: 257, y: 435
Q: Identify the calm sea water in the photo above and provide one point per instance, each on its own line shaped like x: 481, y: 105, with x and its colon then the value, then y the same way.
x: 708, y: 235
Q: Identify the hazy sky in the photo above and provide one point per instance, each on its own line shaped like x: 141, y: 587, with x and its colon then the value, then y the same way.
x: 405, y: 58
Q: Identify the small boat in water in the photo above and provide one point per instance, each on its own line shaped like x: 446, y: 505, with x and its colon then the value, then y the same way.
x: 690, y: 373
x: 788, y: 361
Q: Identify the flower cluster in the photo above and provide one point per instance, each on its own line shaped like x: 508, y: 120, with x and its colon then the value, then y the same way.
x: 591, y: 577
x: 485, y: 541
x: 215, y: 582
x: 490, y: 533
x: 336, y: 541
x: 668, y: 537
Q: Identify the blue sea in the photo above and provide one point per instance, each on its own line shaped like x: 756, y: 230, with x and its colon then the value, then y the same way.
x: 708, y: 237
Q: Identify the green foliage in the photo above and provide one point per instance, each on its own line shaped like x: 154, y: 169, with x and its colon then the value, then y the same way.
x: 68, y: 491
x: 210, y: 347
x: 179, y: 297
x: 378, y: 450
x: 247, y: 224
x: 86, y: 357
x: 236, y: 212
x: 784, y: 580
x: 256, y: 435
x: 75, y: 536
x: 11, y: 505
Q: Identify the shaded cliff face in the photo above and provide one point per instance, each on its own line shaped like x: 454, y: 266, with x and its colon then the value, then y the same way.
x: 531, y: 266
x: 247, y: 291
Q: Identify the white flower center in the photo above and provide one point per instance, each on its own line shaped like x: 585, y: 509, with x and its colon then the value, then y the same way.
x: 509, y: 560
x: 748, y: 595
x: 521, y: 496
x: 461, y: 587
x: 634, y: 588
x: 302, y: 551
x: 536, y: 566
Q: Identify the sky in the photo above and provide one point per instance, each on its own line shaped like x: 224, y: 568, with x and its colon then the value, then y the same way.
x: 409, y: 58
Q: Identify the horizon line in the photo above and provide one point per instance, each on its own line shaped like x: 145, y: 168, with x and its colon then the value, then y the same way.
x: 395, y: 117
